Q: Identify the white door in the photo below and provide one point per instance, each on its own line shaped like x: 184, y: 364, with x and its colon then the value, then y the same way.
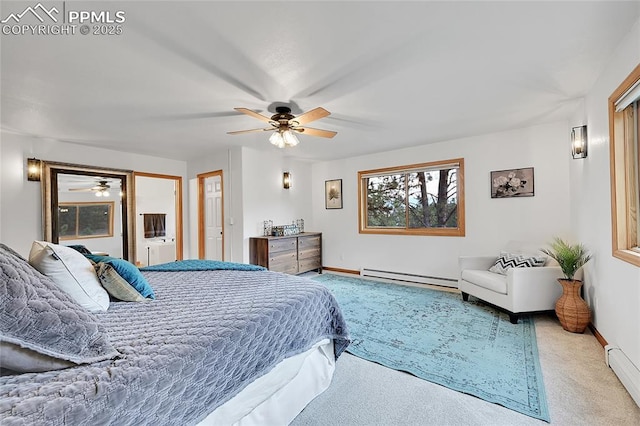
x: 213, y: 218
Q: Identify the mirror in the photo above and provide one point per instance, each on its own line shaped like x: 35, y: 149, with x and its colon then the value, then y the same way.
x: 89, y: 206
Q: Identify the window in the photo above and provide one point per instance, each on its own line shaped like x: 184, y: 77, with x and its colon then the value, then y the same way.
x: 420, y: 199
x: 85, y: 220
x: 624, y: 123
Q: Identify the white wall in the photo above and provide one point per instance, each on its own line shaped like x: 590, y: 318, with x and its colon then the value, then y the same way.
x: 21, y: 203
x: 263, y: 196
x: 490, y: 223
x: 612, y: 286
x: 20, y: 200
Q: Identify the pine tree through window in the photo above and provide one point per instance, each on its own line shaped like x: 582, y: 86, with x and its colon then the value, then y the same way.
x: 420, y: 199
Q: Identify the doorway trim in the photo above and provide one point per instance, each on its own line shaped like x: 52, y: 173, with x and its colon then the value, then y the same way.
x: 201, y: 210
x: 178, y: 197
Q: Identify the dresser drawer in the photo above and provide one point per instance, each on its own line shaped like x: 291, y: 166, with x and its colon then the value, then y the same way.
x: 309, y: 264
x: 286, y: 267
x: 283, y: 244
x: 310, y: 241
x: 282, y: 257
x: 308, y: 252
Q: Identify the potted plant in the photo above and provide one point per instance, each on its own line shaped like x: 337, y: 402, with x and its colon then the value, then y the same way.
x: 571, y: 309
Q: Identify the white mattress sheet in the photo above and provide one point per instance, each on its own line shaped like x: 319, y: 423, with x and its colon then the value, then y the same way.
x: 280, y: 395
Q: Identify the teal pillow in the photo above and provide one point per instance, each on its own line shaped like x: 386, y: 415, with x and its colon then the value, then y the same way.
x: 129, y: 272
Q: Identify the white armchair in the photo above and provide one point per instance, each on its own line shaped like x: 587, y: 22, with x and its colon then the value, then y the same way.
x: 521, y: 290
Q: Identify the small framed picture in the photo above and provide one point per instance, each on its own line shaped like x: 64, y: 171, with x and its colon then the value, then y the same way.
x: 512, y: 183
x: 333, y: 194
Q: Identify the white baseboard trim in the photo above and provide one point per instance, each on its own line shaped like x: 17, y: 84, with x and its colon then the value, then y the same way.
x: 628, y: 373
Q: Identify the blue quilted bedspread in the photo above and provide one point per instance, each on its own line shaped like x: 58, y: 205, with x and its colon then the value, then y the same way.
x: 207, y: 336
x: 202, y: 265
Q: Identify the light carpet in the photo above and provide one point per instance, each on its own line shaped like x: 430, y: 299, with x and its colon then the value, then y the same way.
x: 434, y: 335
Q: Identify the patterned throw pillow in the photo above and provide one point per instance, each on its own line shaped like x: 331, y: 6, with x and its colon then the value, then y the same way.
x: 41, y: 327
x: 514, y: 260
x: 115, y: 285
x: 128, y: 271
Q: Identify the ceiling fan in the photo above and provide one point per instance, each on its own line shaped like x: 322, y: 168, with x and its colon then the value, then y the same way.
x: 284, y: 124
x: 101, y: 189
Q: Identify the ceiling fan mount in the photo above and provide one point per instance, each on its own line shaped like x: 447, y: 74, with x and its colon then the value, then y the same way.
x: 284, y: 124
x: 283, y: 117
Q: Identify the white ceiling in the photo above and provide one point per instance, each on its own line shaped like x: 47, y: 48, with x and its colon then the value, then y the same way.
x: 393, y: 74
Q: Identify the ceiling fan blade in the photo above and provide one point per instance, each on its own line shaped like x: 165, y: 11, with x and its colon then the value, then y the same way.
x: 239, y: 132
x: 80, y: 189
x: 309, y: 116
x: 254, y: 114
x: 316, y: 132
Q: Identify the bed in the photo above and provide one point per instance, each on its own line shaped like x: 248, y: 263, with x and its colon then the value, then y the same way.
x: 214, y: 347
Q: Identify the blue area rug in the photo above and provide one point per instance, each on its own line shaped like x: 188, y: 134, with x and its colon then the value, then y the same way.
x: 434, y: 335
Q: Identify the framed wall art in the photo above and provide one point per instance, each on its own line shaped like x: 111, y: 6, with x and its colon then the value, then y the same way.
x: 512, y: 183
x: 333, y: 194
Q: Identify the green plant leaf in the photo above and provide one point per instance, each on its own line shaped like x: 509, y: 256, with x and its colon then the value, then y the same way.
x: 569, y: 257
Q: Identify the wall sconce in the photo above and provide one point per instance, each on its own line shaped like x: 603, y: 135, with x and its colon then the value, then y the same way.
x: 579, y: 142
x: 34, y: 169
x: 286, y: 180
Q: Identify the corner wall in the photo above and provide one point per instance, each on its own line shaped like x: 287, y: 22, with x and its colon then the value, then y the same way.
x: 611, y: 286
x: 230, y: 162
x: 264, y: 197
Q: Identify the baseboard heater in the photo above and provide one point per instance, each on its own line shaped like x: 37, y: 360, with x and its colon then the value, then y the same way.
x: 409, y: 278
x: 628, y: 373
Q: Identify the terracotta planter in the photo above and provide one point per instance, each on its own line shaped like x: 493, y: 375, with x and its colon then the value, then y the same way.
x: 571, y: 309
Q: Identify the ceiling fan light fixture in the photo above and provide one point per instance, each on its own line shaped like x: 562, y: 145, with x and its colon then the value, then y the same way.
x: 284, y: 124
x: 98, y: 193
x: 290, y: 138
x: 105, y: 193
x: 277, y: 139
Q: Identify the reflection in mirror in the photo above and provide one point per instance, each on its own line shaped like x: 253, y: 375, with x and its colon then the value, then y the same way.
x: 90, y: 213
x: 90, y: 207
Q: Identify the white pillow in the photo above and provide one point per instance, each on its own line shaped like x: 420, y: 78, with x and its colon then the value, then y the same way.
x: 72, y: 272
x: 19, y: 359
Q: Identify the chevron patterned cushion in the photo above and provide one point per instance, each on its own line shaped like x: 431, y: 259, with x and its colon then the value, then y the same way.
x: 515, y: 260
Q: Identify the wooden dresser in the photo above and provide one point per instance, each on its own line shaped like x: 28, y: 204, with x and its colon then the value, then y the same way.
x: 293, y: 254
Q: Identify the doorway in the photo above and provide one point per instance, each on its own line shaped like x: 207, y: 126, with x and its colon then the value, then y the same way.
x: 158, y: 204
x: 211, y: 216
